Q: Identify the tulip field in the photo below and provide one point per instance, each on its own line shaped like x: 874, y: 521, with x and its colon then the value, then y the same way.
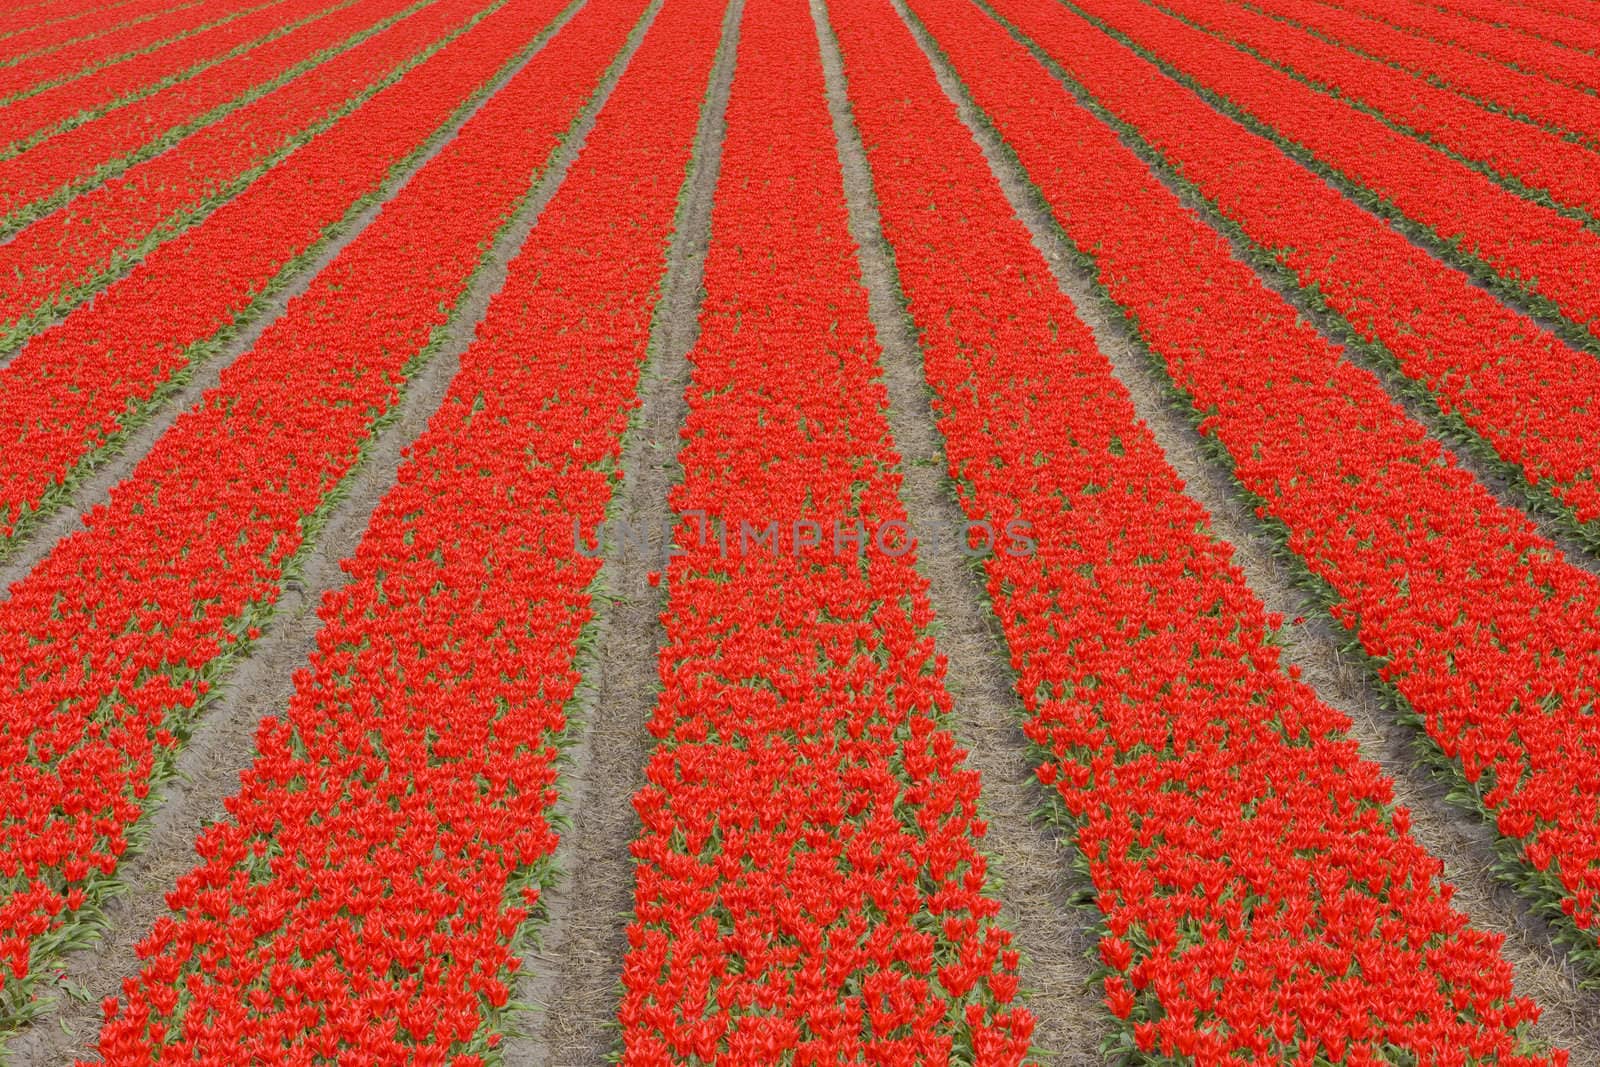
x: 898, y: 532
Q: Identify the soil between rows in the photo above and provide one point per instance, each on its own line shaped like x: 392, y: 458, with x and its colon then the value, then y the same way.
x: 1029, y: 864
x: 1465, y: 845
x: 573, y: 977
x: 223, y: 744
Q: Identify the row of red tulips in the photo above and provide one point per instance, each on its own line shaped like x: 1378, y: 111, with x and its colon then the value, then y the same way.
x: 809, y: 886
x: 118, y: 637
x: 41, y: 40
x: 52, y: 264
x: 1515, y: 153
x: 1527, y: 395
x: 1578, y: 9
x: 25, y: 121
x: 1527, y: 159
x: 1567, y: 22
x: 1544, y: 56
x: 810, y: 883
x: 71, y: 391
x: 1245, y: 857
x: 444, y: 669
x: 31, y: 15
x: 1496, y: 230
x: 1559, y: 107
x: 31, y: 76
x: 1468, y: 613
x: 40, y: 171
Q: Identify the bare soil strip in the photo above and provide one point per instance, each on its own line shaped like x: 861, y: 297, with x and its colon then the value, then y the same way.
x: 572, y: 976
x: 116, y: 462
x: 224, y: 744
x: 1477, y: 271
x: 1030, y: 864
x: 1461, y: 840
x: 1470, y: 451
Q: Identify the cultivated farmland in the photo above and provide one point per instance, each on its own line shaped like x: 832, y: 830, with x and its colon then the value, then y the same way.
x: 685, y: 532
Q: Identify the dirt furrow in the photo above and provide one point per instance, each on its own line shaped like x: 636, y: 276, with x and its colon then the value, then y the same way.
x: 260, y: 685
x: 1476, y: 270
x: 1341, y: 678
x: 92, y: 482
x: 1470, y: 452
x: 572, y: 975
x: 1030, y: 865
